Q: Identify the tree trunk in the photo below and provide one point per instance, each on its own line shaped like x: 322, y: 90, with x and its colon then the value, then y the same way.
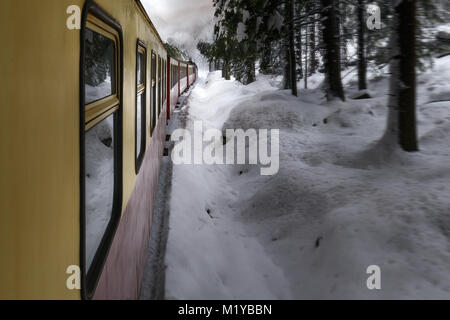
x: 306, y: 59
x: 401, y: 121
x: 362, y: 63
x: 390, y: 136
x: 250, y: 70
x: 406, y: 13
x: 299, y: 53
x: 266, y: 59
x: 226, y: 70
x: 290, y: 8
x: 299, y: 42
x: 341, y: 17
x: 312, y: 45
x: 332, y: 59
x: 287, y: 66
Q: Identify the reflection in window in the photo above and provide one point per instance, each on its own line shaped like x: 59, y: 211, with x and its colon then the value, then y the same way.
x: 159, y: 86
x: 141, y: 77
x: 174, y: 75
x: 99, y: 68
x: 99, y: 182
x: 141, y: 68
x: 153, y: 106
x: 139, y: 108
x: 164, y: 75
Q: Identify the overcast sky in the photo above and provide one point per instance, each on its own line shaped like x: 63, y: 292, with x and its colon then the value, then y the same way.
x: 182, y: 22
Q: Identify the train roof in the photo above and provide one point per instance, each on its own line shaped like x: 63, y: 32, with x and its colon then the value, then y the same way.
x: 144, y: 12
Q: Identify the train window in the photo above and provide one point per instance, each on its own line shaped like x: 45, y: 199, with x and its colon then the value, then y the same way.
x: 164, y: 75
x: 159, y: 85
x: 183, y: 72
x: 140, y: 119
x: 153, y: 97
x: 141, y: 63
x: 99, y: 179
x: 99, y: 69
x: 175, y: 75
x: 164, y: 81
x: 101, y: 136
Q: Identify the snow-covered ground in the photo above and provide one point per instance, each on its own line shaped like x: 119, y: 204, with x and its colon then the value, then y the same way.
x: 339, y: 203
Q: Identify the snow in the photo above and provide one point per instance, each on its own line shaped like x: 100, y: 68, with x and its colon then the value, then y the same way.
x: 340, y: 203
x: 99, y: 183
x: 98, y: 92
x: 437, y: 88
x: 138, y: 125
x: 201, y: 245
x: 241, y: 32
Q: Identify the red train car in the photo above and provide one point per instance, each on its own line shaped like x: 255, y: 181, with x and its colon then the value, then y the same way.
x: 182, y: 75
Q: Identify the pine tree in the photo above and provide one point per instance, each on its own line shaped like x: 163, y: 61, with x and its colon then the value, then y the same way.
x: 362, y: 63
x: 332, y: 59
x: 291, y: 65
x: 401, y: 122
x: 312, y: 38
x: 298, y: 38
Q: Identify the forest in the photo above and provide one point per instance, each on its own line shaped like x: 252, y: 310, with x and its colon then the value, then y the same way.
x: 297, y: 38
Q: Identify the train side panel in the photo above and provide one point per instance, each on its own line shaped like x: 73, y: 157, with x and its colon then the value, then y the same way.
x: 123, y: 271
x: 40, y: 152
x: 39, y: 141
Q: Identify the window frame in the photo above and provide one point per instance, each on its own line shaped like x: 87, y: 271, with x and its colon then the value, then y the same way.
x: 141, y: 90
x: 182, y: 71
x: 162, y: 84
x: 172, y: 76
x: 91, y: 115
x: 175, y: 76
x: 153, y: 100
x: 165, y: 82
x: 93, y: 25
x: 99, y: 107
x: 159, y: 77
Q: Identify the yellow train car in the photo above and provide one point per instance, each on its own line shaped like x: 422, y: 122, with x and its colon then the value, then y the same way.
x: 85, y: 89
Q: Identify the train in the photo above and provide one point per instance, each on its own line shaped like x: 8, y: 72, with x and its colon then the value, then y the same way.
x: 87, y: 90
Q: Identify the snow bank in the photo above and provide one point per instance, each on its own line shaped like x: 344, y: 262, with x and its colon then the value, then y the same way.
x: 209, y: 255
x: 340, y: 202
